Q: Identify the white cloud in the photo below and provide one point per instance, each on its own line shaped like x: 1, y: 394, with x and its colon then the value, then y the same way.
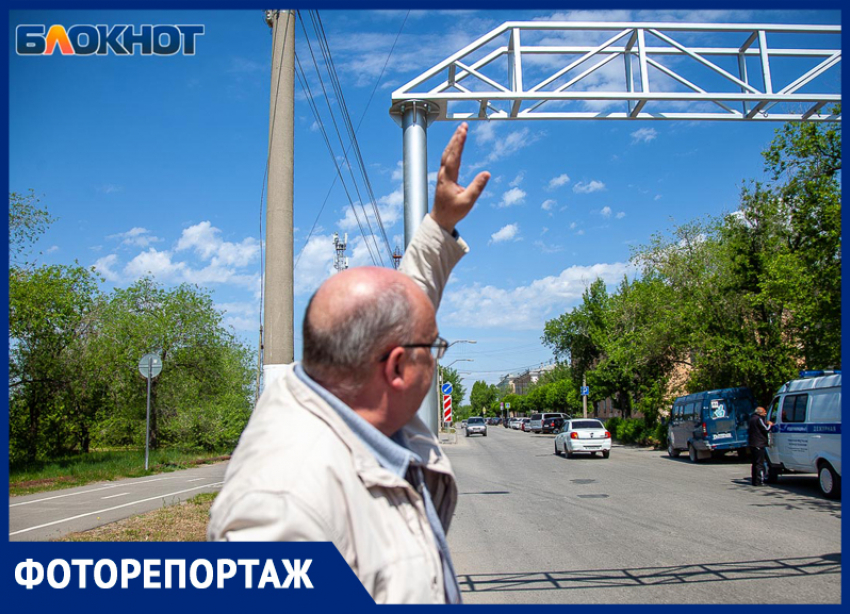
x: 506, y: 233
x: 136, y: 237
x: 606, y: 212
x: 573, y: 225
x: 315, y: 264
x: 548, y: 249
x: 510, y: 144
x: 525, y: 307
x: 205, y: 240
x: 518, y: 179
x: 155, y: 263
x: 241, y: 316
x: 548, y: 204
x: 199, y: 257
x: 560, y: 180
x: 51, y: 249
x: 658, y: 197
x: 644, y: 135
x: 514, y: 196
x: 587, y: 187
x: 484, y: 132
x: 621, y: 215
x: 105, y: 265
x: 109, y: 188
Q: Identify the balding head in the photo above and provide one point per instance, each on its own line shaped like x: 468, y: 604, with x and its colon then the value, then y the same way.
x: 354, y: 318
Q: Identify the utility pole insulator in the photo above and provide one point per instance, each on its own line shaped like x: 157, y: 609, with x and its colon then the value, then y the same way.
x: 396, y: 258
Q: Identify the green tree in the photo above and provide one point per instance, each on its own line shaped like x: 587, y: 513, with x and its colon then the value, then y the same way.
x: 204, y: 367
x: 27, y: 222
x: 482, y: 395
x: 458, y: 390
x: 51, y: 324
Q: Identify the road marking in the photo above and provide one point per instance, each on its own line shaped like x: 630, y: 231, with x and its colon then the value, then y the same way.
x: 113, y: 496
x: 197, y: 479
x: 110, y: 509
x: 85, y: 492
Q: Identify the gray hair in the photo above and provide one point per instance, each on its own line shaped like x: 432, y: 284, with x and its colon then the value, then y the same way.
x: 342, y: 355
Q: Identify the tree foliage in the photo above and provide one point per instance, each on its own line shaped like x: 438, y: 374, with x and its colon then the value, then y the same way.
x: 743, y: 299
x: 74, y: 352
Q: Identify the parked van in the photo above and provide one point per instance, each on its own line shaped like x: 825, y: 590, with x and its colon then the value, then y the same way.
x: 713, y: 421
x: 544, y: 423
x: 806, y: 432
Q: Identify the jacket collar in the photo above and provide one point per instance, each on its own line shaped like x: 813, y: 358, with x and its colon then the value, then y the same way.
x: 419, y: 438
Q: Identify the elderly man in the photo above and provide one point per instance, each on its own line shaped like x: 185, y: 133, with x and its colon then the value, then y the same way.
x: 334, y: 450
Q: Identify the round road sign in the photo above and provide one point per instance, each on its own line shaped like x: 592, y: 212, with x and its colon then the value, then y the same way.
x: 150, y: 365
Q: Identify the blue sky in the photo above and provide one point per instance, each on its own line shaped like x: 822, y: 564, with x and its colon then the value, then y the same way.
x: 155, y: 164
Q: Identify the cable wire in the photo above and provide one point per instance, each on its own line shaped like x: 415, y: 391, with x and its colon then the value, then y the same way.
x: 359, y: 123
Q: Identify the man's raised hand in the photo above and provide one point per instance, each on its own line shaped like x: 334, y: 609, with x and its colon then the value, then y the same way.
x: 451, y: 201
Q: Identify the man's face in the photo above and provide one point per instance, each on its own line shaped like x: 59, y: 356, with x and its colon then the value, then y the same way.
x: 422, y: 360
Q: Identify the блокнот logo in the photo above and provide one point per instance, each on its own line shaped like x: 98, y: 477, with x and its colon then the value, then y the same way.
x: 121, y: 39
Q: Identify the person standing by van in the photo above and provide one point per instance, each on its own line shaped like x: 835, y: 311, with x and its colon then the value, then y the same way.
x: 758, y: 429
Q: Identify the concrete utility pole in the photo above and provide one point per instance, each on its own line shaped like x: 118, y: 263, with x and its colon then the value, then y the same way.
x: 278, y: 326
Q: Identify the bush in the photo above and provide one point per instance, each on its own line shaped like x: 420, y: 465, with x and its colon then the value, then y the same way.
x: 635, y: 430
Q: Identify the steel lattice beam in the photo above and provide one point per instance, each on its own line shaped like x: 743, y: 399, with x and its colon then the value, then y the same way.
x: 663, y: 74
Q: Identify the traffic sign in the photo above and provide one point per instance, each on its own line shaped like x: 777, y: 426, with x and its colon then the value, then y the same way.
x: 447, y: 388
x: 150, y: 365
x: 447, y: 408
x: 508, y: 405
x: 585, y: 391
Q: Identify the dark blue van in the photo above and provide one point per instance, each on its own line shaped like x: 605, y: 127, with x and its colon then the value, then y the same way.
x: 712, y: 421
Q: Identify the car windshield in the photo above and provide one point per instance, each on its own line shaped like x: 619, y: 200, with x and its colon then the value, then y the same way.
x: 586, y: 424
x: 476, y: 421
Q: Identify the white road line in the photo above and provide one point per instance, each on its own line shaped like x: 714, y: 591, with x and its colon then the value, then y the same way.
x: 85, y: 492
x: 113, y: 496
x: 109, y: 509
x: 197, y: 479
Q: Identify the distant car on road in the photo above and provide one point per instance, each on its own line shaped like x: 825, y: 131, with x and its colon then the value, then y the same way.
x: 515, y: 423
x: 543, y: 422
x: 476, y: 426
x: 525, y: 424
x: 583, y: 436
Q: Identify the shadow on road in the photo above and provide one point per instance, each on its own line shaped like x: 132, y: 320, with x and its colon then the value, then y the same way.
x: 652, y: 576
x: 793, y: 492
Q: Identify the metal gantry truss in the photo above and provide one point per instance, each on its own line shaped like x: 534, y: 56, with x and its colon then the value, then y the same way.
x: 565, y: 70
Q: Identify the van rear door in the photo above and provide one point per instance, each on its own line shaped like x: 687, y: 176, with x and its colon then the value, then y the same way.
x: 719, y: 421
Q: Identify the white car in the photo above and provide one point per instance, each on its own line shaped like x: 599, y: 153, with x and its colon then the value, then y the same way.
x: 515, y: 423
x: 583, y: 435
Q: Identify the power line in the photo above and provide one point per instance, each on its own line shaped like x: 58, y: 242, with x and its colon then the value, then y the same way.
x: 339, y: 137
x: 326, y: 52
x: 359, y: 123
x: 302, y: 79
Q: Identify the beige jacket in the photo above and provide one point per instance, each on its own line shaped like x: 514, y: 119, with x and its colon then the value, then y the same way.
x: 300, y: 474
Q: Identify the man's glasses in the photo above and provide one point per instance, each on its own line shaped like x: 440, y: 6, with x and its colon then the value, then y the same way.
x: 438, y: 348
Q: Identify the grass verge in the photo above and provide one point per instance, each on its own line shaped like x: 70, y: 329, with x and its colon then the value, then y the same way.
x: 80, y: 469
x: 185, y: 522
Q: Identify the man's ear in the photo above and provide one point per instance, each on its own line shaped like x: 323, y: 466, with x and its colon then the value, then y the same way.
x: 396, y: 368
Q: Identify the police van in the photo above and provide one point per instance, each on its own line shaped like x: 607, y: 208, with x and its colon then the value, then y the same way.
x: 806, y: 432
x: 710, y: 422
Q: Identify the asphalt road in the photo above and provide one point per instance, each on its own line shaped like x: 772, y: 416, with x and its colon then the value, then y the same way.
x: 49, y: 515
x: 639, y: 527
